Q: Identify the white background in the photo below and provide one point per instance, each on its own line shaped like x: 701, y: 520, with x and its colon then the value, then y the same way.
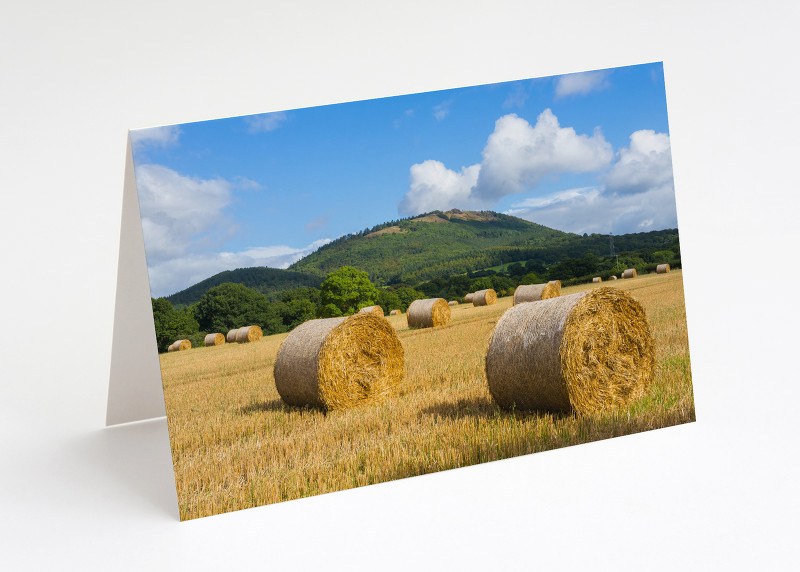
x: 720, y: 493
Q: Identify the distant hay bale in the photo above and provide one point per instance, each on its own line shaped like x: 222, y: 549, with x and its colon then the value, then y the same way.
x: 662, y: 269
x: 535, y: 292
x: 630, y: 273
x: 612, y: 277
x: 214, y: 340
x: 429, y: 313
x: 557, y: 283
x: 468, y: 297
x: 395, y: 312
x: 337, y: 363
x: 248, y: 334
x: 231, y: 337
x: 377, y: 310
x: 453, y: 303
x: 597, y: 279
x: 583, y: 352
x: 179, y: 345
x: 484, y: 297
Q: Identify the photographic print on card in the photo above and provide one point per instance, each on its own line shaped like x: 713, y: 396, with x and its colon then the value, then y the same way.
x: 361, y: 292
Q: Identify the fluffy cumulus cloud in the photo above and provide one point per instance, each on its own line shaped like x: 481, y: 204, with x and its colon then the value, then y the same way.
x: 581, y: 83
x: 155, y: 136
x: 516, y: 157
x: 174, y: 275
x: 638, y: 194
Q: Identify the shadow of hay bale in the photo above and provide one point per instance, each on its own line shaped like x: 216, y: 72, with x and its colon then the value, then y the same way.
x: 278, y: 405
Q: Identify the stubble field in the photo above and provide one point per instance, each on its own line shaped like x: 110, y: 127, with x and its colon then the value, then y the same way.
x: 236, y: 445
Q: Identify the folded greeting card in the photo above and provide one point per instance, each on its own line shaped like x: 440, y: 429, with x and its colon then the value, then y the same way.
x: 355, y: 293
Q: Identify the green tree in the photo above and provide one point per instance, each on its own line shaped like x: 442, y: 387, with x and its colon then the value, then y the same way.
x: 229, y: 306
x: 349, y: 290
x: 171, y: 324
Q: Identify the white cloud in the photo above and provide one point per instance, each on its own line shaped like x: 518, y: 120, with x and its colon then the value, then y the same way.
x: 172, y: 276
x: 645, y: 164
x: 265, y: 121
x: 435, y: 187
x: 155, y: 136
x: 517, y: 97
x: 581, y: 83
x: 442, y: 110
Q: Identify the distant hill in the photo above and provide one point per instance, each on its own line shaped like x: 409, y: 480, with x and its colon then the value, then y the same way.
x: 268, y: 281
x: 432, y: 245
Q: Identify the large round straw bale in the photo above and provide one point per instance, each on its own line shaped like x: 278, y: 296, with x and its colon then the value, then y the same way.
x: 612, y: 277
x: 231, y: 337
x: 247, y: 334
x: 484, y: 297
x: 535, y: 292
x: 557, y: 283
x: 179, y: 345
x: 214, y: 340
x: 582, y: 352
x: 662, y: 268
x: 630, y: 273
x: 453, y: 303
x: 597, y: 279
x: 468, y: 297
x: 337, y: 363
x: 377, y: 310
x: 429, y: 313
x: 395, y: 312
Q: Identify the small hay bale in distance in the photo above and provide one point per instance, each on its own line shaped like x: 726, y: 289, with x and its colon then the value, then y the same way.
x: 395, y: 313
x: 453, y: 303
x: 180, y: 345
x: 557, y: 283
x: 484, y: 297
x: 468, y: 297
x: 630, y: 273
x: 583, y: 352
x: 535, y: 292
x: 428, y: 313
x: 214, y: 340
x: 612, y: 277
x: 248, y: 334
x: 231, y: 337
x: 377, y: 310
x: 337, y: 363
x: 597, y: 279
x: 662, y: 268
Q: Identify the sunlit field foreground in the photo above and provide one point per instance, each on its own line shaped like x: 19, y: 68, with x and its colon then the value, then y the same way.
x: 236, y: 445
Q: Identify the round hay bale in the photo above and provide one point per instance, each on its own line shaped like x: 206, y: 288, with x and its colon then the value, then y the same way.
x: 430, y: 313
x: 597, y: 279
x: 468, y: 297
x: 484, y: 297
x: 337, y: 363
x: 214, y: 340
x: 395, y: 313
x: 377, y: 310
x: 662, y: 268
x: 612, y: 277
x: 630, y: 273
x: 557, y: 283
x: 583, y: 352
x: 171, y: 348
x: 535, y: 292
x: 231, y: 337
x: 247, y: 334
x: 179, y: 345
x: 453, y: 303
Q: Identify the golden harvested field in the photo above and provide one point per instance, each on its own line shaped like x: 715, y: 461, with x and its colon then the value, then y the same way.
x: 236, y: 445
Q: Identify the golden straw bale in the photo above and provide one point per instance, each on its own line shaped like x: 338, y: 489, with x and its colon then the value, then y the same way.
x: 535, y: 292
x: 597, y: 279
x: 231, y: 337
x: 468, y: 297
x: 395, y: 312
x: 630, y: 273
x: 337, y: 363
x: 662, y: 268
x: 557, y: 283
x: 214, y: 340
x: 377, y: 310
x: 430, y: 313
x: 179, y: 345
x: 247, y: 334
x: 612, y: 277
x: 453, y: 303
x: 484, y: 297
x: 583, y: 352
x: 171, y: 348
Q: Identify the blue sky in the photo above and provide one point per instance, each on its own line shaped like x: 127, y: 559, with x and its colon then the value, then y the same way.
x: 585, y: 152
